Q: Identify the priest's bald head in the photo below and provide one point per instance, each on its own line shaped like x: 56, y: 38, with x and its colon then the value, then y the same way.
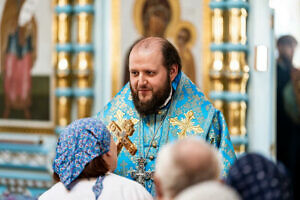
x: 153, y: 64
x: 185, y: 163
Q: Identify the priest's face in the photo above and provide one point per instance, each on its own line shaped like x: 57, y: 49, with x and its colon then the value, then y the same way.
x: 150, y: 81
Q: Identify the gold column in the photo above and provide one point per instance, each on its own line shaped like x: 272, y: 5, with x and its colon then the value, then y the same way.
x: 116, y: 66
x: 62, y: 26
x: 217, y: 66
x: 83, y: 68
x: 236, y: 75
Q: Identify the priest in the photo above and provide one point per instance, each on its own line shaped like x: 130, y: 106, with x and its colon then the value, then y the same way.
x: 160, y: 104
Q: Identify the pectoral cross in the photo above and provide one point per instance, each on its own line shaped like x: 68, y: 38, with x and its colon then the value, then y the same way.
x: 122, y: 134
x: 140, y: 175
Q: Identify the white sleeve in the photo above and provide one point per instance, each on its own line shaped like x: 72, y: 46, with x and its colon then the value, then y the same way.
x: 137, y: 192
x: 120, y: 188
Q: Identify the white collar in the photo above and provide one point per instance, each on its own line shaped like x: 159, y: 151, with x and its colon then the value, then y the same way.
x: 168, y: 99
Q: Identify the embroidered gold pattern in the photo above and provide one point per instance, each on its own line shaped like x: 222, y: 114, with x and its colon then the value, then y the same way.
x: 186, y: 124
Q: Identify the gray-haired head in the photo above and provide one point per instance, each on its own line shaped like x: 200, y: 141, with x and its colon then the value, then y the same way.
x: 185, y: 163
x: 209, y: 190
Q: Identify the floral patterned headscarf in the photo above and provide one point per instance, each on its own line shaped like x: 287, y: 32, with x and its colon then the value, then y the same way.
x: 78, y: 144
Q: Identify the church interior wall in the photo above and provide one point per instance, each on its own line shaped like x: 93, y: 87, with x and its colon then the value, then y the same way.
x: 286, y: 21
x: 261, y: 87
x: 102, y: 38
x: 190, y: 12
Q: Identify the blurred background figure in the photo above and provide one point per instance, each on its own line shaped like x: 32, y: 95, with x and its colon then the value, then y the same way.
x: 18, y: 54
x: 187, y: 162
x: 256, y: 177
x: 288, y: 104
x: 210, y: 190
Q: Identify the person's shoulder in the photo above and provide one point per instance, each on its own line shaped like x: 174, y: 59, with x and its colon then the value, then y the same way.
x: 124, y: 92
x: 54, y: 192
x: 129, y: 184
x: 119, y: 100
x: 132, y: 188
x: 190, y: 99
x: 120, y: 179
x: 191, y: 89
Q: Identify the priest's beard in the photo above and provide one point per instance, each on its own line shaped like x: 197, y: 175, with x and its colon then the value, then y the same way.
x: 158, y: 99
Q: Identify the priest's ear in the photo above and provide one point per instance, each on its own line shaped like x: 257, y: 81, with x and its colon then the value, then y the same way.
x: 158, y: 189
x: 173, y: 72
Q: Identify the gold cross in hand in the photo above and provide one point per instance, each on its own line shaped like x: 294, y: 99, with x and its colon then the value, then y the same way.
x: 122, y: 134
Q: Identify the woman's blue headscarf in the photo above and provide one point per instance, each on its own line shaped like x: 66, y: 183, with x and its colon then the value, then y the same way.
x: 78, y: 144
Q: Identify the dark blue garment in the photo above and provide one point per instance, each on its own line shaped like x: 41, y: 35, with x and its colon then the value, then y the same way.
x: 288, y: 131
x: 257, y: 178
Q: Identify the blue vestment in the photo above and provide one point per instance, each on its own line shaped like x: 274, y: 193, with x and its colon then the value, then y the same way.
x: 188, y: 113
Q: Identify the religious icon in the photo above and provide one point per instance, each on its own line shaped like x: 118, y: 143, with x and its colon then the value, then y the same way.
x: 26, y: 72
x: 182, y: 39
x: 18, y: 54
x: 156, y: 17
